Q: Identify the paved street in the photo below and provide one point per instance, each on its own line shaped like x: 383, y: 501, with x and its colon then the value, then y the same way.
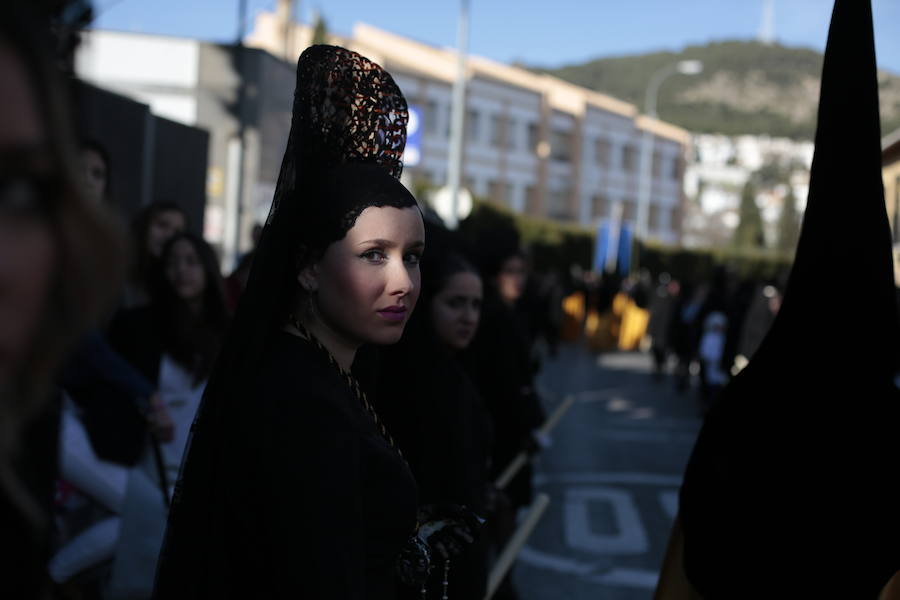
x: 612, y: 475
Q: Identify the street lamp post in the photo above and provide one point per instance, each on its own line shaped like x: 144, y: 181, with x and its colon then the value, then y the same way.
x: 458, y: 117
x: 684, y: 67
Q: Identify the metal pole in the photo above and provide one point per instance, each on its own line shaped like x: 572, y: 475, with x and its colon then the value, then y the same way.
x: 511, y: 550
x: 645, y: 183
x: 241, y: 137
x: 458, y: 115
x: 160, y: 469
x: 522, y: 458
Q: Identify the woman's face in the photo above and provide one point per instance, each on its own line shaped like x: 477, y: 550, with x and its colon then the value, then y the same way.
x: 184, y: 271
x: 366, y: 284
x: 162, y: 227
x: 27, y: 248
x: 456, y: 309
x: 511, y: 279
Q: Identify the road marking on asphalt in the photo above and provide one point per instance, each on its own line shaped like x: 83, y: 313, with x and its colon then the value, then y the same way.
x: 601, y: 395
x: 669, y: 502
x: 552, y: 562
x: 626, y: 537
x: 636, y: 578
x: 629, y: 537
x: 624, y: 477
x: 644, y: 436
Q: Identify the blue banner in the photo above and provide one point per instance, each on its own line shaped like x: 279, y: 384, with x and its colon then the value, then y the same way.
x: 413, y: 152
x: 613, y: 247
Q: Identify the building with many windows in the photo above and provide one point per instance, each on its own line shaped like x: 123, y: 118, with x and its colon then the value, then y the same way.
x: 533, y: 143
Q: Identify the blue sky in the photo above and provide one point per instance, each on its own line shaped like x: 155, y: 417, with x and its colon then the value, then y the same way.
x: 542, y: 33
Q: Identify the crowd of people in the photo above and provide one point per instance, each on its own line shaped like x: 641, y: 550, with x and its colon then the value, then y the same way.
x: 702, y: 332
x: 327, y: 422
x: 708, y: 329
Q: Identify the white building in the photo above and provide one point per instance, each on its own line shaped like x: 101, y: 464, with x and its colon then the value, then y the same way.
x: 533, y: 143
x: 717, y: 171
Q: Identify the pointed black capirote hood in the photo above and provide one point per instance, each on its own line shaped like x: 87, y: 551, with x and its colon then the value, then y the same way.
x: 843, y: 262
x: 789, y: 490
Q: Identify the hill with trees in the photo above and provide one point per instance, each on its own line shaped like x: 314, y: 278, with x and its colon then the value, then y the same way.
x: 746, y: 87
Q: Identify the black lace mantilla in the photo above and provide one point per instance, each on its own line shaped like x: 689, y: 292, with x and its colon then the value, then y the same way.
x: 350, y: 111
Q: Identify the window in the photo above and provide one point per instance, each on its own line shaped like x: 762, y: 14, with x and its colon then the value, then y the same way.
x: 630, y: 158
x: 497, y: 192
x: 498, y: 131
x: 533, y: 137
x: 658, y: 164
x: 674, y: 169
x: 602, y: 152
x: 431, y: 118
x: 472, y: 126
x: 599, y: 206
x: 558, y: 205
x: 561, y: 145
x: 531, y: 199
x: 653, y: 222
x: 629, y: 210
x: 511, y: 131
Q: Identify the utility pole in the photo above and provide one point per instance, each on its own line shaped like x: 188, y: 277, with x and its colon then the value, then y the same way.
x: 458, y: 116
x: 645, y: 182
x: 241, y: 131
x: 767, y: 25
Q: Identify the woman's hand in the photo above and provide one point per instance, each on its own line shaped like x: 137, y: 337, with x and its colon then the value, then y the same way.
x: 414, y: 562
x: 448, y: 528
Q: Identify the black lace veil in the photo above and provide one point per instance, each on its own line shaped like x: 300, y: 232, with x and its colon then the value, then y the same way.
x: 348, y: 132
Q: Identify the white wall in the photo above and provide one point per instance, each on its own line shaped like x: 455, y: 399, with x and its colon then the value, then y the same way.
x: 159, y: 71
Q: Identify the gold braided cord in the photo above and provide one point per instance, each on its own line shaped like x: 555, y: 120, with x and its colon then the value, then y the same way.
x: 352, y: 383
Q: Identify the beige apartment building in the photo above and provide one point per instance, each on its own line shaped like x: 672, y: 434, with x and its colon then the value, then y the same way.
x: 533, y: 143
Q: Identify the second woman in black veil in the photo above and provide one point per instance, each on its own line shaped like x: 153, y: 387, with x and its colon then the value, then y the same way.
x: 433, y: 409
x: 292, y: 486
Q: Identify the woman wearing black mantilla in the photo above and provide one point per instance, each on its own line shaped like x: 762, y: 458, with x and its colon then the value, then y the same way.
x: 292, y: 487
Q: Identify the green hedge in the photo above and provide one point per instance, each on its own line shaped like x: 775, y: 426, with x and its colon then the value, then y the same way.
x: 551, y: 245
x: 556, y: 246
x: 698, y: 264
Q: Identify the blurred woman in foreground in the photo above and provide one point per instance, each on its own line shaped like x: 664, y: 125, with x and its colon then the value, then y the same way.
x: 59, y: 267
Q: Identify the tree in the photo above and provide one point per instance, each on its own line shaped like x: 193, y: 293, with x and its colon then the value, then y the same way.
x: 320, y: 31
x: 788, y: 224
x: 749, y: 232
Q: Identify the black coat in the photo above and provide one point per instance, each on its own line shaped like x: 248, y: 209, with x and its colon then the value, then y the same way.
x: 311, y: 502
x: 440, y: 422
x: 500, y: 365
x: 136, y: 335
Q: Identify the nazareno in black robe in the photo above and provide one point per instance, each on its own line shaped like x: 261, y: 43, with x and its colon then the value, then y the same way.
x: 790, y: 490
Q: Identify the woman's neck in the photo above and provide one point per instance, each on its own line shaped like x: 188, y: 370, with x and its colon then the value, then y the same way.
x: 342, y: 349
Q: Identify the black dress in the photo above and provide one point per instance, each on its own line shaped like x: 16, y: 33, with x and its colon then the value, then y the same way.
x: 502, y: 371
x: 439, y: 421
x: 319, y: 505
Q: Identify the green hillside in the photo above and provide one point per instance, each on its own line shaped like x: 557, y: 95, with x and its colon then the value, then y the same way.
x: 745, y: 88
